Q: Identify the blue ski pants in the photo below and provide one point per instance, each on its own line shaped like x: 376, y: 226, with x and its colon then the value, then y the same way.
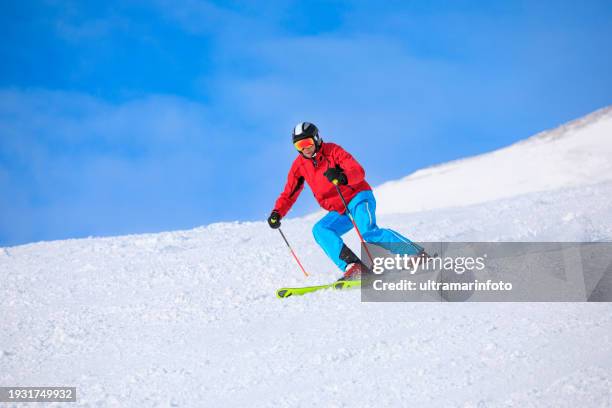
x: 329, y: 229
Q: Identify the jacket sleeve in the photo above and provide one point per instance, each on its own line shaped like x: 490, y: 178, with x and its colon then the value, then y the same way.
x: 353, y: 170
x: 293, y: 188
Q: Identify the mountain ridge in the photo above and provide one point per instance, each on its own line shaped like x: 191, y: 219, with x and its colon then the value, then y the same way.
x: 572, y: 154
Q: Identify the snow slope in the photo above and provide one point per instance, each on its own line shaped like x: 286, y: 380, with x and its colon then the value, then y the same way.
x: 189, y: 319
x: 574, y: 154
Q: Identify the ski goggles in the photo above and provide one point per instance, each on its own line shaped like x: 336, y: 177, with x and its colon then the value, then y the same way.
x: 304, y: 144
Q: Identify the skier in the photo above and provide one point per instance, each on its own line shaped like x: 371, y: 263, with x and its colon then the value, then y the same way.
x: 321, y: 165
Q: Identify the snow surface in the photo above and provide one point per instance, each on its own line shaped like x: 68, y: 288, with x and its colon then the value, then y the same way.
x: 190, y: 319
x: 575, y: 154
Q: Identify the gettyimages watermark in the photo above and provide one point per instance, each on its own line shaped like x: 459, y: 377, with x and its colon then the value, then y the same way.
x: 488, y: 272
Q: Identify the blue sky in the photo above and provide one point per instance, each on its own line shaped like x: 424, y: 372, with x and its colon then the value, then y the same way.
x: 133, y: 116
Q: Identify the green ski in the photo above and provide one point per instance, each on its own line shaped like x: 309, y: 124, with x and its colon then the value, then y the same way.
x: 338, y: 285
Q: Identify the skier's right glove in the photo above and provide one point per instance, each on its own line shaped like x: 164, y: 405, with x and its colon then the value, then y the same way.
x: 336, y: 175
x: 274, y: 220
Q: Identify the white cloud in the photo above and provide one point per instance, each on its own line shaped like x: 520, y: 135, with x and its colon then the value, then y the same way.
x: 144, y: 164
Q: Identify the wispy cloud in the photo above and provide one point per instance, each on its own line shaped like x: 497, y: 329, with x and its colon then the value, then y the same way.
x: 103, y: 168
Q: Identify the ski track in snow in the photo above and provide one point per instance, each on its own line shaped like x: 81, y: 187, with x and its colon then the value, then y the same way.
x: 190, y: 318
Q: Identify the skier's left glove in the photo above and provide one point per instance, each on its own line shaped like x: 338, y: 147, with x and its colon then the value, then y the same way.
x: 336, y: 173
x: 274, y: 220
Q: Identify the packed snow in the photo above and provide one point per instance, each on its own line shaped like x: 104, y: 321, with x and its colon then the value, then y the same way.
x: 190, y: 318
x: 575, y: 154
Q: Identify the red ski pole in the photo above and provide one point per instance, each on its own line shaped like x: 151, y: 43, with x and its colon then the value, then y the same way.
x: 335, y: 182
x: 293, y: 253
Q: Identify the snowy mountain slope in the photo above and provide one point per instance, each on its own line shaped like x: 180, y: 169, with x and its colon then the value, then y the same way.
x: 189, y: 318
x: 574, y: 154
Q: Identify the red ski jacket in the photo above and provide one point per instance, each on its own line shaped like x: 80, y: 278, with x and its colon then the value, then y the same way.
x: 311, y: 171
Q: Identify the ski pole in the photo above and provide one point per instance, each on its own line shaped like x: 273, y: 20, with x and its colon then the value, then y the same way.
x: 417, y: 247
x: 335, y: 182
x: 293, y: 253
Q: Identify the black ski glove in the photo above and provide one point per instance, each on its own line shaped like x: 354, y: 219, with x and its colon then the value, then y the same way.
x: 274, y: 220
x: 336, y: 173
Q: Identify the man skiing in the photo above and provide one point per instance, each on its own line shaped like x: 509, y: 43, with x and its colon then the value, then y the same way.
x: 322, y: 165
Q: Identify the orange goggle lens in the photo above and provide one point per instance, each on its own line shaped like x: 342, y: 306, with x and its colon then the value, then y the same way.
x: 304, y: 143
